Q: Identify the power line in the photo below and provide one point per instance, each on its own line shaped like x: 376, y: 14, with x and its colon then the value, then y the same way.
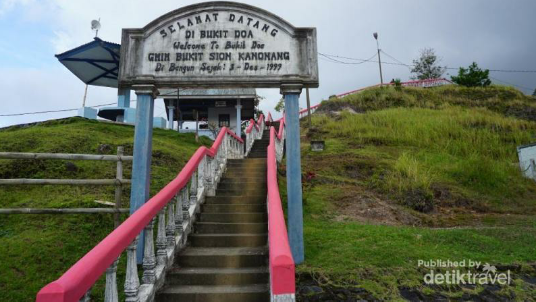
x: 408, y: 66
x: 52, y: 111
x: 349, y: 63
x: 411, y: 65
x: 508, y: 83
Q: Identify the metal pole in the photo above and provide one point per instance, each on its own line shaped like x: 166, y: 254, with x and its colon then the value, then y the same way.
x: 85, y: 95
x: 308, y: 108
x: 294, y: 185
x: 379, y: 60
x: 141, y: 167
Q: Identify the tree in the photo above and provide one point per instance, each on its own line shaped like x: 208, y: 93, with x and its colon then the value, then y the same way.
x: 280, y: 105
x: 427, y: 66
x: 473, y: 76
x: 534, y: 93
x: 214, y: 129
x: 256, y: 111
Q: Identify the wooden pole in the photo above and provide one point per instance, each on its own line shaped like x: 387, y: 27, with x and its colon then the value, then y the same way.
x: 308, y: 108
x: 74, y: 182
x: 118, y: 186
x: 63, y: 156
x: 196, y: 125
x: 63, y: 211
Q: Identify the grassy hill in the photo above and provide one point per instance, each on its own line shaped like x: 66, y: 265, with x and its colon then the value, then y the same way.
x: 37, y: 249
x: 418, y: 174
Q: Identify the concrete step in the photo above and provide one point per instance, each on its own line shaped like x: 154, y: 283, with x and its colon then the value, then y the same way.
x: 234, y: 217
x: 233, y: 208
x: 252, y: 199
x: 245, y: 160
x: 246, y: 165
x: 217, y: 276
x: 187, y: 293
x: 243, y: 179
x: 243, y: 192
x: 230, y: 228
x: 230, y: 184
x: 241, y: 257
x: 228, y: 240
x: 255, y: 167
x: 258, y: 153
x: 248, y: 171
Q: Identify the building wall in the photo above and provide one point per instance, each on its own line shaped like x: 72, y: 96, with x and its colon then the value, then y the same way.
x: 214, y: 112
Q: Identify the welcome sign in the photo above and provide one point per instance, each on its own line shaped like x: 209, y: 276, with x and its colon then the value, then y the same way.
x: 219, y: 44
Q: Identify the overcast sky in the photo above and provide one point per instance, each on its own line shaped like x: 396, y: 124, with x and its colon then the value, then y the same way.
x: 497, y: 34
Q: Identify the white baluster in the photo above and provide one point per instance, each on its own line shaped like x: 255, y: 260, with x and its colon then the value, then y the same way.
x: 170, y: 229
x: 161, y: 240
x: 132, y: 281
x: 178, y: 213
x: 193, y: 189
x: 110, y: 292
x: 149, y: 260
x: 86, y: 297
x: 185, y: 204
x: 209, y: 176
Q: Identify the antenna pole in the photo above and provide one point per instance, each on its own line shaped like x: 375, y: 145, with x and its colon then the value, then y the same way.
x: 85, y: 95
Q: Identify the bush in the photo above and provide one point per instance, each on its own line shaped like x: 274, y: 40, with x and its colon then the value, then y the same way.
x: 472, y: 77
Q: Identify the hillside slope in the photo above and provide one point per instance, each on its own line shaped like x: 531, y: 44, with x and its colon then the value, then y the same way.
x: 417, y: 174
x: 37, y: 249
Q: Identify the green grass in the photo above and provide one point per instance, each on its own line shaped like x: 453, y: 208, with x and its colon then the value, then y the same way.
x: 450, y: 148
x: 470, y: 150
x: 37, y: 249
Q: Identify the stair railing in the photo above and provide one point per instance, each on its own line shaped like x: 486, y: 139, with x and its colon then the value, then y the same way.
x: 254, y: 131
x: 281, y: 263
x: 173, y: 209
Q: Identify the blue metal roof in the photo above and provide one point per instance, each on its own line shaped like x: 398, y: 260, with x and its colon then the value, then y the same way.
x: 95, y: 63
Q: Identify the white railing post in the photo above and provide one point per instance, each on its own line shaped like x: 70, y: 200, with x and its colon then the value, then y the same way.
x: 193, y: 189
x: 201, y: 174
x: 149, y: 261
x: 170, y: 228
x: 132, y: 281
x: 178, y: 214
x: 86, y: 297
x: 209, y: 176
x: 161, y: 241
x: 110, y: 292
x: 185, y: 205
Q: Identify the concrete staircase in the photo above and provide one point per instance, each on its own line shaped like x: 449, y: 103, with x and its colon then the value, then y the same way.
x: 227, y: 256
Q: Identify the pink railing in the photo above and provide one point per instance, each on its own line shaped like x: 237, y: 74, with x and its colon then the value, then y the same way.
x: 256, y: 124
x: 282, y: 278
x: 417, y: 83
x: 74, y: 283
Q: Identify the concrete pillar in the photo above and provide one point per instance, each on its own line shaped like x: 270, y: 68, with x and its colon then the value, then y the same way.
x: 238, y: 118
x: 171, y: 109
x: 291, y: 94
x: 141, y: 166
x: 123, y: 97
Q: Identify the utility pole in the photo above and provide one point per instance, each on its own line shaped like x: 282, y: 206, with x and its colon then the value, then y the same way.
x: 308, y: 108
x: 379, y: 58
x: 85, y: 96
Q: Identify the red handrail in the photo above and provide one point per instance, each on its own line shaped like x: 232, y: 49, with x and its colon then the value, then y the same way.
x: 281, y: 262
x: 408, y: 83
x: 74, y: 283
x: 252, y: 122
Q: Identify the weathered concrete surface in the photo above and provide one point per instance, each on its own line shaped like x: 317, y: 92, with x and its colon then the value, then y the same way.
x: 219, y: 44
